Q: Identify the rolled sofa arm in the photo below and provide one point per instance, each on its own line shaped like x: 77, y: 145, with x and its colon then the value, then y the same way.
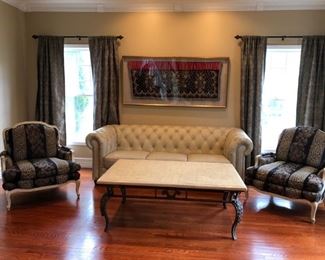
x: 102, y: 141
x: 237, y: 146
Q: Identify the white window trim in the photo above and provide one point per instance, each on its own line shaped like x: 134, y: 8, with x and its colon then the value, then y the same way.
x: 279, y: 47
x: 74, y: 46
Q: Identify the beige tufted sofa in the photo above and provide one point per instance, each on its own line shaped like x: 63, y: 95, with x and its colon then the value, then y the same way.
x: 177, y: 143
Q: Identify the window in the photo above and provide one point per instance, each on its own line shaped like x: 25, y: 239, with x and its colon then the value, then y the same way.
x: 79, y: 93
x: 279, y: 96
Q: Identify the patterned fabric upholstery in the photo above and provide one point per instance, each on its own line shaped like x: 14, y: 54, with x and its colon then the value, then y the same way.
x: 30, y: 141
x: 305, y: 145
x: 37, y: 159
x: 293, y: 172
x: 287, y: 179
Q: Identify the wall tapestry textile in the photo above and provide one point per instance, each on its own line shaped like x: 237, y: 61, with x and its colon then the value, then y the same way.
x: 175, y: 81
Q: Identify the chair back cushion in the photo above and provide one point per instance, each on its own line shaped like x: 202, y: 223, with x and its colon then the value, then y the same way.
x: 30, y: 141
x: 302, y: 145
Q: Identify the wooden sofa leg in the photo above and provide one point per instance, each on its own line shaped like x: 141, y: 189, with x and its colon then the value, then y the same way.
x: 77, y: 188
x: 8, y: 194
x: 314, y: 206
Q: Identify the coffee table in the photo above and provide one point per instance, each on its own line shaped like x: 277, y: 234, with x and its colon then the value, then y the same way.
x: 174, y: 177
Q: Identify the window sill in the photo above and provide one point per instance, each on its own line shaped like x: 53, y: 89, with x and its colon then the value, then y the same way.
x: 76, y: 144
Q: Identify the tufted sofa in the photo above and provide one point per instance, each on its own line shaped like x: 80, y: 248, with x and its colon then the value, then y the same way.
x: 177, y: 143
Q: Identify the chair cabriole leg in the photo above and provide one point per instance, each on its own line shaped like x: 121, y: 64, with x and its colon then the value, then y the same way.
x: 314, y: 206
x: 8, y: 194
x: 77, y: 188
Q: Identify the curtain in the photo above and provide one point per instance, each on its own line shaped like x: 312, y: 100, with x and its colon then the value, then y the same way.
x: 311, y: 83
x: 105, y: 70
x: 253, y: 53
x: 50, y: 103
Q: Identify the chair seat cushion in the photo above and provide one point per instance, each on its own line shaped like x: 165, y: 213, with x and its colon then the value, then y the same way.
x: 39, y: 172
x: 287, y: 179
x: 215, y: 158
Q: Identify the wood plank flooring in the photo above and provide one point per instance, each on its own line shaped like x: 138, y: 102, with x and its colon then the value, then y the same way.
x: 53, y: 225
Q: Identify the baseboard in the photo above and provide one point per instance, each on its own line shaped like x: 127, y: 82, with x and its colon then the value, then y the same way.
x: 84, y: 162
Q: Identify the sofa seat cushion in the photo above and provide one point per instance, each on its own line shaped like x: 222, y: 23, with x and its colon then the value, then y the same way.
x: 215, y: 158
x: 111, y: 158
x: 287, y: 179
x: 127, y: 155
x: 164, y: 156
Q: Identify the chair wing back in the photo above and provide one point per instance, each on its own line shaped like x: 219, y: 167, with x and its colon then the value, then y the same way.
x: 31, y: 140
x: 302, y: 145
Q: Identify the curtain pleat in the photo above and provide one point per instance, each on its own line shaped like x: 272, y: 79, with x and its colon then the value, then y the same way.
x: 253, y: 54
x: 50, y: 103
x: 105, y: 70
x: 311, y: 83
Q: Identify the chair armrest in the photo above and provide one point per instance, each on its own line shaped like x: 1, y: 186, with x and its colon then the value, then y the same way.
x: 64, y: 153
x: 5, y: 161
x: 102, y: 142
x: 265, y: 158
x: 237, y: 145
x: 321, y: 174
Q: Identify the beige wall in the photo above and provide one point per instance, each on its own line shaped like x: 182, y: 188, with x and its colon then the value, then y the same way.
x: 174, y: 34
x: 13, y: 99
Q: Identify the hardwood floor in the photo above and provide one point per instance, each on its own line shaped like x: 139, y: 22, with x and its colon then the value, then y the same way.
x: 53, y: 225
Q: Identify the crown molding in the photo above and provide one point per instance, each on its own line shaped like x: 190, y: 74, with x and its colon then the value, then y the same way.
x: 163, y: 5
x: 19, y: 4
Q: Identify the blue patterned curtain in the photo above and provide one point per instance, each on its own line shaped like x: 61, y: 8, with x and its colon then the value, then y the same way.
x: 311, y: 86
x: 253, y: 54
x: 50, y: 104
x: 105, y: 70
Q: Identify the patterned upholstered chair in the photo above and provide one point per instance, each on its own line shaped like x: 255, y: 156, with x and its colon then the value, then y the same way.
x: 34, y: 160
x: 296, y: 170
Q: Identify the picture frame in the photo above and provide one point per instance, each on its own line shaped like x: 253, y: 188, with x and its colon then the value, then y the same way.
x: 175, y: 81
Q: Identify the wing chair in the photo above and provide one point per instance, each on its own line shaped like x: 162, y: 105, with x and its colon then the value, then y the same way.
x: 296, y: 170
x: 34, y: 160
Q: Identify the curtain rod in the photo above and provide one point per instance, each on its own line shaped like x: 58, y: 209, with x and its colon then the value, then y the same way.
x: 275, y: 36
x: 120, y: 37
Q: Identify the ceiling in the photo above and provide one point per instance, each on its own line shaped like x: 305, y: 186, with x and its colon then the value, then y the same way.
x: 163, y: 5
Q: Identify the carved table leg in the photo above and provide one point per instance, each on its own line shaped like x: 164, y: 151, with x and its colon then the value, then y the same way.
x: 103, y: 202
x: 239, y: 213
x: 123, y: 191
x: 224, y: 200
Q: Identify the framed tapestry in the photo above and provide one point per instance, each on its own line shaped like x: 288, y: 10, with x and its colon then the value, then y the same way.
x: 195, y: 82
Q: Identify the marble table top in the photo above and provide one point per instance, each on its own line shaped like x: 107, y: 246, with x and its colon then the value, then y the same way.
x: 174, y: 174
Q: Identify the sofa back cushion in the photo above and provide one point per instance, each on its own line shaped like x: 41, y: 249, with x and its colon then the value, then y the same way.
x: 31, y: 141
x: 302, y: 145
x: 177, y: 139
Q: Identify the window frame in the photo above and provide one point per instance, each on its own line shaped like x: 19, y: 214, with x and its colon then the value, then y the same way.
x: 80, y: 46
x: 276, y: 47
